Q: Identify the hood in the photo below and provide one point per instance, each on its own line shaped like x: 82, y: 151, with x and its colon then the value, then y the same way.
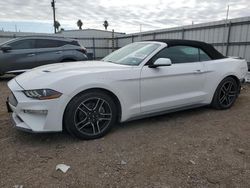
x: 85, y: 66
x: 42, y: 76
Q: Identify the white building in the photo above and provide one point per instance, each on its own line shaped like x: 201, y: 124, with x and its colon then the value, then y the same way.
x: 89, y: 33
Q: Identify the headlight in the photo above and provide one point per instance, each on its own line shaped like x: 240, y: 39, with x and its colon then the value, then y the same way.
x: 42, y: 94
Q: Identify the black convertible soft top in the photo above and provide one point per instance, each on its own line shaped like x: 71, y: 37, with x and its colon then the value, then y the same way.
x: 208, y: 48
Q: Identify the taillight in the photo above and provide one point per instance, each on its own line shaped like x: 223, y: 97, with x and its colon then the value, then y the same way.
x: 83, y: 50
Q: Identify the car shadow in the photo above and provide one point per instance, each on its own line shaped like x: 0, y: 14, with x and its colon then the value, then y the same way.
x: 37, y: 139
x: 64, y: 138
x: 158, y: 119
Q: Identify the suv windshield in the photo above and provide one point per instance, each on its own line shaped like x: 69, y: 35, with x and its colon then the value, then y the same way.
x: 6, y: 42
x: 132, y: 54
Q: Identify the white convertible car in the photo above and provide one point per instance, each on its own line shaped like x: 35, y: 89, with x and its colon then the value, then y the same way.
x: 139, y: 80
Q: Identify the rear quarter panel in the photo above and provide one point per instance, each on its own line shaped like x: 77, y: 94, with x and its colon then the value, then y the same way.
x: 71, y: 52
x: 217, y: 70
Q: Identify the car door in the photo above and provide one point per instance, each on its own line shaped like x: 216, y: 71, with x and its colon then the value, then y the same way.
x: 21, y: 56
x: 49, y: 51
x: 174, y: 86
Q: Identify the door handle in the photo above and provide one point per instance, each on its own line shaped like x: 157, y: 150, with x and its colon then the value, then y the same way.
x: 31, y: 55
x: 59, y: 52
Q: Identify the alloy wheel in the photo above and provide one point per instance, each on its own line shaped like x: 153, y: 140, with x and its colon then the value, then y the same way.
x: 228, y: 94
x: 93, y: 116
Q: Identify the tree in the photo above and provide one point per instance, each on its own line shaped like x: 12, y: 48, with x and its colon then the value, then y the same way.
x: 57, y: 25
x: 105, y: 24
x: 79, y: 24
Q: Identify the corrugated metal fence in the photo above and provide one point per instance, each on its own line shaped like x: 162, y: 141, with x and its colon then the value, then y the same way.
x: 232, y: 37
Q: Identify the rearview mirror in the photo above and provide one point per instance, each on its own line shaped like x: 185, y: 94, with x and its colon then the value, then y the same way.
x: 5, y: 48
x: 161, y: 62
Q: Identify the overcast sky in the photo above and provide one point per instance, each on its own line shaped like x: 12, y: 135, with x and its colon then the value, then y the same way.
x: 122, y: 15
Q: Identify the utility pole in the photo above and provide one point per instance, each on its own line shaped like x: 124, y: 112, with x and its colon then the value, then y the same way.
x: 113, y: 40
x: 227, y: 13
x: 140, y: 32
x: 54, y: 14
x: 226, y: 38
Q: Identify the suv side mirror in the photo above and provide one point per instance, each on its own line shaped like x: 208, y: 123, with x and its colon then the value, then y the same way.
x: 161, y: 62
x: 5, y: 48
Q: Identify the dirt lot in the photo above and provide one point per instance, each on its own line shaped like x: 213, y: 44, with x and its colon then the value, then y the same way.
x: 195, y: 148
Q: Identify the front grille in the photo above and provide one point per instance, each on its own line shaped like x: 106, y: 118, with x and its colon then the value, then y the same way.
x: 12, y: 100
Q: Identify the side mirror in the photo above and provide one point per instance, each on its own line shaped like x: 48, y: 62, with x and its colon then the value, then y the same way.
x: 161, y: 62
x: 5, y: 48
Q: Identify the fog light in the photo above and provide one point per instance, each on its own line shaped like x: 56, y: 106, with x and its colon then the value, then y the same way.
x: 36, y: 111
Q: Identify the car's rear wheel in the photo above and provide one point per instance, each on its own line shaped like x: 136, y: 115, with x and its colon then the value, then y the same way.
x: 90, y: 115
x: 225, y: 94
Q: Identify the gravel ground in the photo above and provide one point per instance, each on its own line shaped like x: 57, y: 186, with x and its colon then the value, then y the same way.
x: 195, y: 148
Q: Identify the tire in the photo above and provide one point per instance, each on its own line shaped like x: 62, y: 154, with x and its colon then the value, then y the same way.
x: 90, y: 115
x: 225, y: 94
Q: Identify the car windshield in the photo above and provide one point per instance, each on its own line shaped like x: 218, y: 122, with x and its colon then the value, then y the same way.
x: 132, y: 54
x: 11, y: 40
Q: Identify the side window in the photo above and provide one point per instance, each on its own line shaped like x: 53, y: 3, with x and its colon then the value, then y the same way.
x: 46, y: 43
x: 22, y: 44
x: 179, y: 54
x: 204, y: 56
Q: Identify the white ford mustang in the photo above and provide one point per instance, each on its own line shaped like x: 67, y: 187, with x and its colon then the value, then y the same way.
x: 139, y: 80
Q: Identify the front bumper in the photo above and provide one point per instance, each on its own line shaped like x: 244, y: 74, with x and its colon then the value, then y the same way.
x: 19, y: 124
x: 16, y: 121
x: 9, y: 110
x: 35, y: 115
x: 248, y: 77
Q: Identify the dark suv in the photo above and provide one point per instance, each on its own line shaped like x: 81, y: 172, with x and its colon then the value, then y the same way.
x: 21, y: 54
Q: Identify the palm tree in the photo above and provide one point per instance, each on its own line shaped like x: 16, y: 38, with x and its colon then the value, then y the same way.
x: 105, y: 24
x: 57, y: 25
x: 79, y: 24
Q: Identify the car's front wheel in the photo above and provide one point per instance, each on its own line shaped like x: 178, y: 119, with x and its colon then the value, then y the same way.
x: 225, y: 94
x: 90, y: 115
